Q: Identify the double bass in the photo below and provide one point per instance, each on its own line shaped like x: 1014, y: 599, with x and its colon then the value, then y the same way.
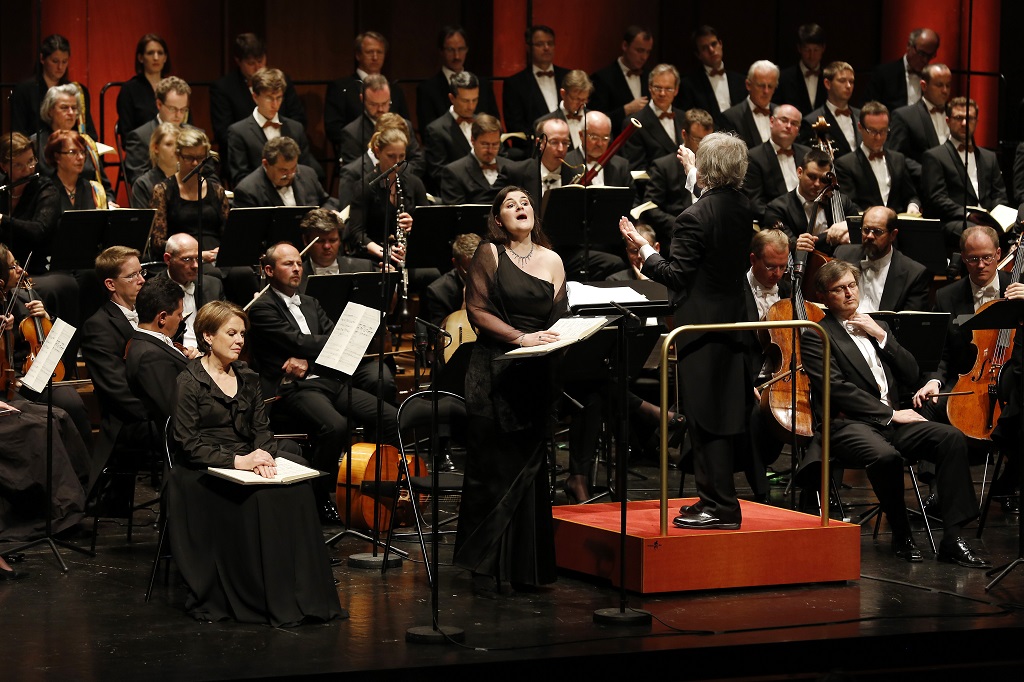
x: 816, y: 258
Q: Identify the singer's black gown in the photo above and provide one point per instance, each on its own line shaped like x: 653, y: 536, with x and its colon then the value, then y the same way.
x: 505, y: 527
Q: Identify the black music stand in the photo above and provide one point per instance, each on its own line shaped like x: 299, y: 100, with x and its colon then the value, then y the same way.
x: 250, y: 231
x: 586, y: 218
x: 1003, y: 314
x: 923, y: 240
x: 430, y: 244
x: 83, y: 234
x: 334, y: 292
x: 923, y: 334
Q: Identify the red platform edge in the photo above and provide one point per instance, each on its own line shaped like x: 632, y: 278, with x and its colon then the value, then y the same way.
x: 772, y: 547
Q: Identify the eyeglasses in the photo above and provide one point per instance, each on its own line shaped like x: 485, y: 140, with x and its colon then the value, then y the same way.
x: 193, y: 159
x: 876, y: 132
x: 77, y: 153
x: 594, y: 137
x: 134, y: 276
x: 26, y: 166
x: 175, y: 110
x: 558, y: 141
x: 974, y: 260
x: 873, y: 231
x: 187, y: 260
x: 660, y: 90
x: 843, y: 288
x: 927, y: 55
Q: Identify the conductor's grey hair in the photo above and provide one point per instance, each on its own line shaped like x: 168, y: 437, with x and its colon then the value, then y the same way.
x: 722, y: 160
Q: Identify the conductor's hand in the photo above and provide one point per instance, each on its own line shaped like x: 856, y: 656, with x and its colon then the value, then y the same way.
x: 258, y: 461
x: 540, y: 338
x: 1015, y: 290
x: 295, y: 368
x: 906, y: 417
x: 687, y: 158
x: 633, y: 238
x: 925, y: 393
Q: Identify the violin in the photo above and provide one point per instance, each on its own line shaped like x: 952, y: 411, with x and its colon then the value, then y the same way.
x: 8, y: 378
x: 35, y: 329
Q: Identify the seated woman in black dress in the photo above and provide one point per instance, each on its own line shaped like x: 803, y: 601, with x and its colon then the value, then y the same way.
x: 252, y: 553
x: 136, y: 103
x: 178, y: 204
x: 54, y: 57
x: 163, y: 155
x: 514, y: 291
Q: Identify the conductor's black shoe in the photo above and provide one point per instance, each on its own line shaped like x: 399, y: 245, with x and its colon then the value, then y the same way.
x: 329, y: 513
x: 691, y: 508
x: 957, y: 551
x: 702, y: 520
x: 903, y: 546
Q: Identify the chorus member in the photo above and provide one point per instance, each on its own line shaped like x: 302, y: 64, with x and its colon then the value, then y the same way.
x: 163, y: 163
x: 800, y: 85
x: 66, y: 153
x: 869, y: 431
x: 264, y: 123
x: 447, y: 293
x: 661, y: 131
x: 898, y: 84
x: 889, y: 280
x: 181, y: 256
x: 751, y: 118
x: 228, y: 540
x: 478, y: 176
x: 842, y: 119
x: 533, y: 92
x: 620, y: 89
x: 813, y: 225
x: 280, y: 179
x: 52, y: 70
x: 135, y: 101
x: 325, y: 257
x: 944, y: 168
x: 432, y: 94
x: 921, y: 126
x: 180, y: 205
x: 615, y: 172
x: 355, y: 136
x: 873, y: 175
x: 772, y: 168
x: 514, y: 293
x: 575, y: 94
x: 345, y: 97
x: 449, y: 137
x: 152, y: 361
x: 711, y: 87
x: 59, y: 113
x: 672, y: 186
x: 289, y: 330
x: 706, y: 271
x: 172, y: 106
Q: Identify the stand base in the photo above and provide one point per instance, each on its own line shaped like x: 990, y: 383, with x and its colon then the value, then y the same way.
x: 368, y: 560
x: 1002, y: 572
x: 337, y: 537
x: 52, y: 542
x: 616, y: 616
x: 426, y: 634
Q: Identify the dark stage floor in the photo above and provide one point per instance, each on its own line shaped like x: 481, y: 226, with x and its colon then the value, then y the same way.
x: 899, y: 621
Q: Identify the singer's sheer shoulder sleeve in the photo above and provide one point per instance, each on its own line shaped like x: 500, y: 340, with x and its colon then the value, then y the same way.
x: 482, y: 312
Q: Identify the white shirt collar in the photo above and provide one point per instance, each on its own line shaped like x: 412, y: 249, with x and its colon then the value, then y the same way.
x: 262, y: 120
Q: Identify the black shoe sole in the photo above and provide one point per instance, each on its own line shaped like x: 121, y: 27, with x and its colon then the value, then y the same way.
x: 708, y: 526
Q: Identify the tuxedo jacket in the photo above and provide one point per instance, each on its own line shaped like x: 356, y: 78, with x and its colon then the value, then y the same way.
x: 152, y: 368
x: 793, y: 90
x: 611, y: 93
x: 740, y: 119
x: 432, y: 99
x: 342, y: 105
x: 213, y: 290
x: 616, y: 170
x: 526, y: 174
x: 912, y: 134
x: 355, y: 139
x: 231, y: 101
x: 256, y: 189
x: 889, y: 84
x: 764, y: 180
x: 842, y: 145
x: 443, y: 297
x: 789, y: 210
x: 523, y: 102
x: 695, y: 91
x: 651, y: 141
x: 245, y: 146
x: 858, y: 181
x: 906, y: 283
x: 666, y: 189
x: 463, y: 182
x: 444, y: 144
x: 136, y: 150
x: 104, y: 337
x: 943, y: 182
x: 352, y: 177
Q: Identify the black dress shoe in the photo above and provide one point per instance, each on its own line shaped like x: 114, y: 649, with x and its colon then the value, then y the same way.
x: 12, y: 575
x: 957, y: 551
x: 702, y: 520
x: 691, y: 508
x: 904, y: 548
x: 329, y: 513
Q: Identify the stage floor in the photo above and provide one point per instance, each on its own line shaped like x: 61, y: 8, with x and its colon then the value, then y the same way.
x: 898, y: 620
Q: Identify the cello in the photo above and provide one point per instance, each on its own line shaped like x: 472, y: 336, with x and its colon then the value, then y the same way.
x: 355, y: 498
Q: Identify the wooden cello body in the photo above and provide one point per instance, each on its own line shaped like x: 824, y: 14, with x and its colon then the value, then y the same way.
x: 360, y: 503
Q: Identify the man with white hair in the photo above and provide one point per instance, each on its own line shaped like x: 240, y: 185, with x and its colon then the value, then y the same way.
x: 751, y: 118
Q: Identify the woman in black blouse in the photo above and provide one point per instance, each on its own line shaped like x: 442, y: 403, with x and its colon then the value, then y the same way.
x: 65, y: 153
x: 54, y: 57
x: 136, y: 103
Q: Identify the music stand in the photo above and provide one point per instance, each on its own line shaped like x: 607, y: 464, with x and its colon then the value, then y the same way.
x: 248, y: 233
x: 334, y: 292
x: 81, y: 235
x: 586, y: 218
x: 430, y: 244
x: 923, y: 241
x: 1002, y: 314
x: 923, y: 334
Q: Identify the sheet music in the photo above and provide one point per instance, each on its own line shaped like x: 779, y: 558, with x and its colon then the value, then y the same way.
x: 350, y: 338
x: 584, y: 294
x: 570, y: 330
x: 287, y: 472
x: 49, y: 355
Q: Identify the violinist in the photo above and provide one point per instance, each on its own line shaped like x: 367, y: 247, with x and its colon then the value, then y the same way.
x: 794, y: 209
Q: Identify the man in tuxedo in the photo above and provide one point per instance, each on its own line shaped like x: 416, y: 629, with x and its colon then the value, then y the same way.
x: 231, y: 96
x: 898, y: 84
x: 711, y: 87
x: 661, y: 127
x: 868, y: 429
x: 432, y: 94
x: 620, y: 89
x: 944, y: 167
x: 449, y: 137
x: 355, y: 136
x: 794, y: 209
x: 477, y: 177
x: 837, y: 112
x: 672, y: 186
x: 615, y: 172
x: 172, y: 96
x: 324, y: 257
x: 750, y: 119
x: 344, y: 100
x: 772, y: 168
x: 533, y: 92
x: 152, y: 362
x: 800, y: 84
x: 447, y: 293
x: 288, y: 332
x: 918, y: 127
x: 575, y: 94
x: 247, y: 137
x: 181, y: 255
x: 889, y: 280
x: 280, y: 180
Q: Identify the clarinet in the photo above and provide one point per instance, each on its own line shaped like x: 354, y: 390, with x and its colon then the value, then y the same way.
x: 401, y: 240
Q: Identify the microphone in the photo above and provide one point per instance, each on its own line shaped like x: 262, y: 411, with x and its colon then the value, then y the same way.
x: 394, y: 169
x: 210, y: 156
x: 12, y: 185
x: 799, y: 262
x: 627, y: 313
x: 432, y: 327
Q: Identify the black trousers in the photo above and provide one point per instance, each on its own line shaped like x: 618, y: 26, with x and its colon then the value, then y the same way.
x: 713, y: 461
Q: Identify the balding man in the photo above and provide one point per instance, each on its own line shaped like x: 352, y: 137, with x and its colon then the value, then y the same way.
x: 661, y: 128
x: 842, y: 119
x: 376, y: 99
x: 751, y: 118
x: 898, y: 84
x: 181, y: 256
x: 615, y: 172
x: 921, y: 126
x: 772, y: 168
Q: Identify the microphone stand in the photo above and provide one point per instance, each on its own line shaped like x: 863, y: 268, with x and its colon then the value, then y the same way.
x: 586, y: 222
x: 199, y: 170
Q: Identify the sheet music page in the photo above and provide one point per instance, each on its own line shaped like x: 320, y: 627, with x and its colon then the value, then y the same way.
x: 1004, y: 215
x: 584, y: 294
x: 570, y: 330
x: 287, y: 472
x: 350, y: 338
x: 49, y: 355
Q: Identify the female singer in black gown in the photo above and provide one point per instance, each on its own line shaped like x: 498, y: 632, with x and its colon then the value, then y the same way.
x: 252, y: 553
x: 515, y: 290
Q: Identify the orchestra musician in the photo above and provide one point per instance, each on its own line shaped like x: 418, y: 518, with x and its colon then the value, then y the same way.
x: 800, y: 85
x: 575, y: 93
x: 772, y: 168
x: 181, y: 256
x: 163, y: 163
x: 52, y: 70
x: 447, y: 293
x: 661, y: 127
x: 794, y: 209
x: 615, y: 171
x: 620, y: 89
x: 135, y: 102
x: 280, y: 180
x: 172, y: 100
x: 325, y: 258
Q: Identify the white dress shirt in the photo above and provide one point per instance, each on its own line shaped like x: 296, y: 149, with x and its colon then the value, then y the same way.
x: 938, y: 120
x: 913, y: 84
x: 632, y: 81
x: 547, y: 86
x: 549, y: 179
x: 764, y: 298
x: 788, y: 165
x: 811, y: 81
x: 972, y: 165
x: 763, y: 122
x: 331, y: 269
x: 466, y: 128
x: 667, y: 123
x: 985, y: 294
x: 129, y: 315
x: 820, y: 222
x: 863, y: 342
x: 163, y: 338
x: 188, y: 313
x: 575, y: 125
x: 272, y: 132
x: 881, y: 170
x: 720, y: 86
x: 845, y: 124
x: 872, y: 282
x: 490, y: 175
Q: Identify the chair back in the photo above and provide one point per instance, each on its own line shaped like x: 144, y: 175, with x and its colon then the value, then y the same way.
x: 416, y: 415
